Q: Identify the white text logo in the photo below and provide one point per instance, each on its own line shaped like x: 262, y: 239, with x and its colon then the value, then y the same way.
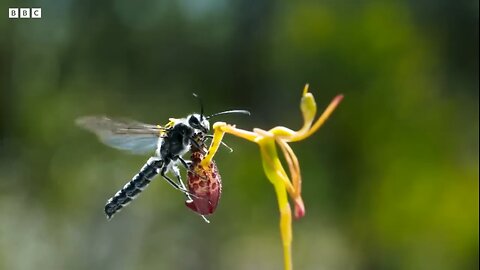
x: 25, y: 13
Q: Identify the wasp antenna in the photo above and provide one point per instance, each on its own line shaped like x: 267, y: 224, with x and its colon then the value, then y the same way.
x: 230, y: 112
x: 201, y: 105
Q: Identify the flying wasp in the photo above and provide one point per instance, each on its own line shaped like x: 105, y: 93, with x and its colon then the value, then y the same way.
x: 170, y: 142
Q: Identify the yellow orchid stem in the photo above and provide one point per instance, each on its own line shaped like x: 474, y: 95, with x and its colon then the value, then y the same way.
x: 212, y: 150
x: 276, y: 174
x: 220, y: 128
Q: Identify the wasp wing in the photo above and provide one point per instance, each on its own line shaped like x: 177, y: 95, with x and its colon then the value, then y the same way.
x: 123, y: 134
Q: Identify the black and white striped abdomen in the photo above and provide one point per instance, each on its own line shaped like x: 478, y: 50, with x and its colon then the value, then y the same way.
x: 131, y: 190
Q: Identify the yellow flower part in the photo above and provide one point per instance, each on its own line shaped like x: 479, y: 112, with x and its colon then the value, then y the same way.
x: 283, y: 183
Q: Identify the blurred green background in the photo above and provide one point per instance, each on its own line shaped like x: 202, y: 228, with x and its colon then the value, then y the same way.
x: 390, y: 182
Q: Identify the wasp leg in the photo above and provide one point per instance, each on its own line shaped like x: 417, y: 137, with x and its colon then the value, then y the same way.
x: 223, y: 144
x: 185, y: 163
x: 163, y: 172
x: 176, y: 172
x: 195, y: 143
x: 187, y: 166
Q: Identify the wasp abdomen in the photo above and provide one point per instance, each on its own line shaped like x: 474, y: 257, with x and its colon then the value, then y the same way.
x: 131, y: 190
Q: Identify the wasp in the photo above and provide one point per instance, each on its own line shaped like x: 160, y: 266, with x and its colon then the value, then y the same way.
x: 170, y: 143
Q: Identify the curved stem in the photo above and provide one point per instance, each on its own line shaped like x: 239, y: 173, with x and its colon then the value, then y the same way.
x: 276, y: 174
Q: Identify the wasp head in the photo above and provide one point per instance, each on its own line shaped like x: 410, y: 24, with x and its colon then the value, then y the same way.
x: 198, y: 121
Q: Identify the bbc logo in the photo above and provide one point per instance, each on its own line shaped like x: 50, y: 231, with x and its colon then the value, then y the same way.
x: 24, y: 13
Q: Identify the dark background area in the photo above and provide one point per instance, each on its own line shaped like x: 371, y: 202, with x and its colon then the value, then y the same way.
x: 390, y: 182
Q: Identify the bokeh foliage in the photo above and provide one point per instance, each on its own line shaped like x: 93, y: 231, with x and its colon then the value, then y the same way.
x: 390, y: 182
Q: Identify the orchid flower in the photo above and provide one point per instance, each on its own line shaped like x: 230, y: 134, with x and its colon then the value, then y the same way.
x: 283, y: 183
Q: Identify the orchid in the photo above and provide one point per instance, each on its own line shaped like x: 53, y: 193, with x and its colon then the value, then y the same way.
x: 283, y: 183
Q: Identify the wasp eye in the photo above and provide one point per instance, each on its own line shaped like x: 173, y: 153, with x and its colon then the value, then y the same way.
x: 193, y: 121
